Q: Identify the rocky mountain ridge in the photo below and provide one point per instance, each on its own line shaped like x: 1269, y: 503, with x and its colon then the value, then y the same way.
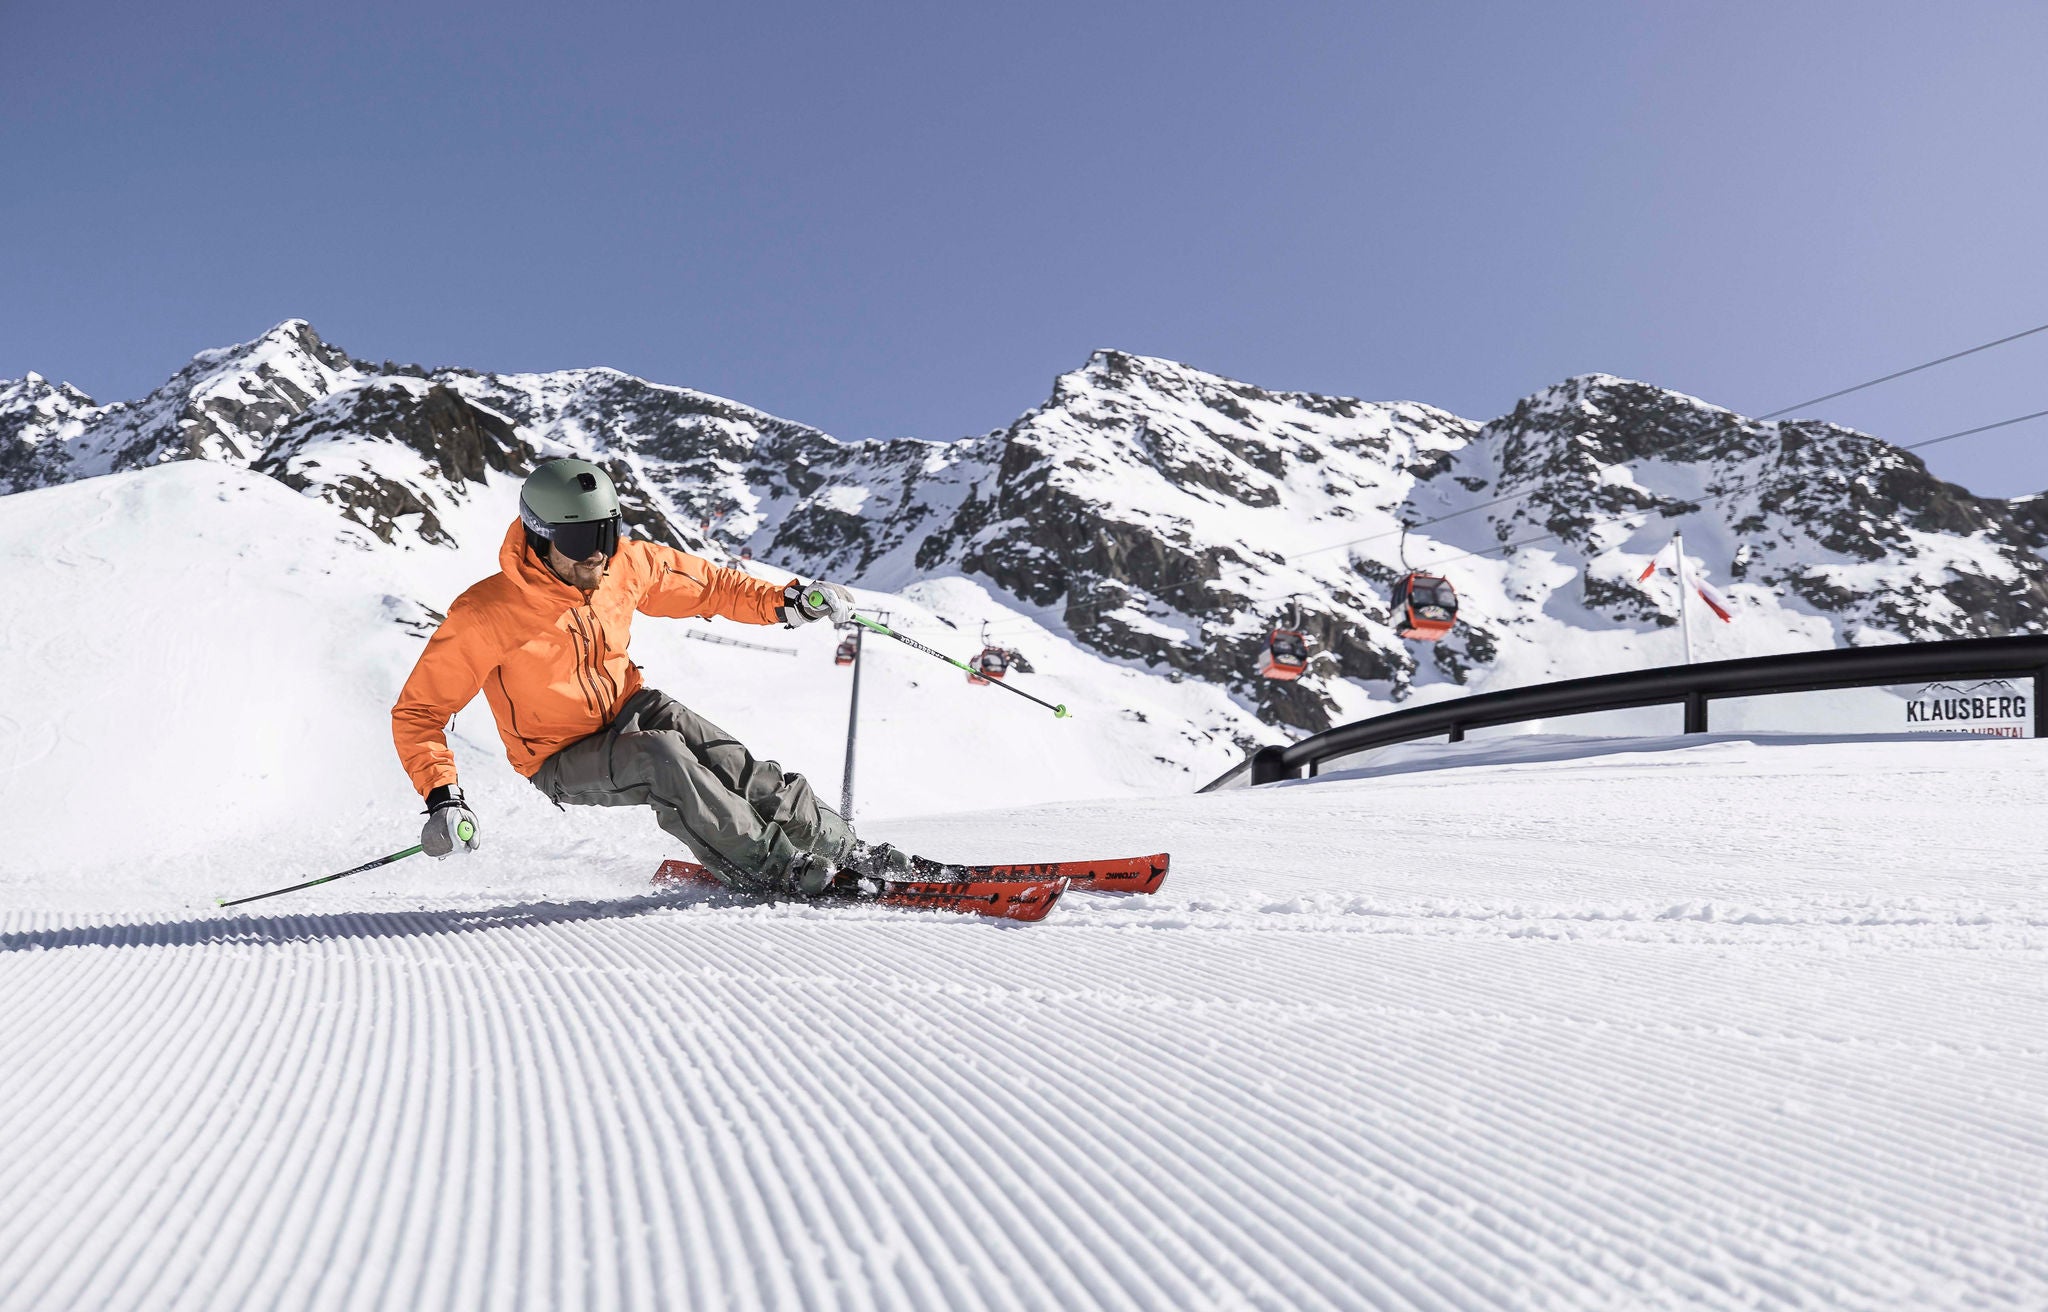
x: 1162, y: 515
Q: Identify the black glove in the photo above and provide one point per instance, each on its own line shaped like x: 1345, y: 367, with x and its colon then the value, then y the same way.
x: 451, y: 825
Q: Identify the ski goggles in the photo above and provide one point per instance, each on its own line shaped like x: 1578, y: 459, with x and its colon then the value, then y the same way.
x: 582, y: 541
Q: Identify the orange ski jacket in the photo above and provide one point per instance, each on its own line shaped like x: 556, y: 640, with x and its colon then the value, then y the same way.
x: 552, y: 663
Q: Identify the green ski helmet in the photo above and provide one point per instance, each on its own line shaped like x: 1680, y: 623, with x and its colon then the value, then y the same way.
x: 572, y: 504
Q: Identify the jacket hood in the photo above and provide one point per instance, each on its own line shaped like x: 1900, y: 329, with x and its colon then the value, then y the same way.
x: 524, y: 569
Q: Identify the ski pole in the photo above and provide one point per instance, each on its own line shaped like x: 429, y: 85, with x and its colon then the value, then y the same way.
x: 463, y: 831
x: 1058, y: 712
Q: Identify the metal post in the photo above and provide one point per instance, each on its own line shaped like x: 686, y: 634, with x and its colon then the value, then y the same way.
x: 2041, y: 702
x: 1695, y: 712
x: 1269, y: 765
x: 1684, y: 611
x: 852, y: 728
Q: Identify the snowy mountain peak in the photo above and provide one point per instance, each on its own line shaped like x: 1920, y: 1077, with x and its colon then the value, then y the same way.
x: 289, y: 338
x: 1140, y: 379
x: 1161, y: 515
x: 39, y: 421
x: 1817, y: 518
x: 224, y: 405
x: 33, y: 393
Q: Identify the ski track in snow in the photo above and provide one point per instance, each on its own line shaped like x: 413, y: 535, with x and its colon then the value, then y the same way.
x: 1532, y: 1022
x: 1485, y: 1037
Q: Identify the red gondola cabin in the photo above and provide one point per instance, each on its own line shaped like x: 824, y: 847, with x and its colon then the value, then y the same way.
x: 1425, y: 607
x: 993, y: 663
x: 1285, y: 655
x: 844, y: 656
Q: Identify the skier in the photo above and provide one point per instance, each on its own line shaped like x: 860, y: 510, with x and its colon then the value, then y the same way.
x: 545, y: 640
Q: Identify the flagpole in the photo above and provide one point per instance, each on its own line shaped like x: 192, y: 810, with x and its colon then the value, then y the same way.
x: 1684, y: 612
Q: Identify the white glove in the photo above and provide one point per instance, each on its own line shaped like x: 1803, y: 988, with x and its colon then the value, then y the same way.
x: 451, y: 825
x: 804, y: 602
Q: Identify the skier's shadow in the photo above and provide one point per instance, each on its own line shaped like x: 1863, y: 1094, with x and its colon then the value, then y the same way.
x: 269, y: 931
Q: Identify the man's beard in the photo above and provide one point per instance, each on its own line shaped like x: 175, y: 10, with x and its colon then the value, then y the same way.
x: 581, y: 575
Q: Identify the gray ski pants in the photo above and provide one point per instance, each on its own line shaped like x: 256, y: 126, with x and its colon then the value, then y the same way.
x: 745, y: 819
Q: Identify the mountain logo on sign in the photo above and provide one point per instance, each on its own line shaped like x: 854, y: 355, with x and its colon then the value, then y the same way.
x: 1993, y: 706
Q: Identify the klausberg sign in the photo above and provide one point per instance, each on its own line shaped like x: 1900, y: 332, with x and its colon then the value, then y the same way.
x: 1998, y: 708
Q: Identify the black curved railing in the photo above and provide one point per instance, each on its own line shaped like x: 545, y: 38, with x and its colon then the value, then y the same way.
x: 1695, y: 686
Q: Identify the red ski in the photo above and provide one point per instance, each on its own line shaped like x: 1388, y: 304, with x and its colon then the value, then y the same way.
x: 1128, y: 874
x: 1020, y: 898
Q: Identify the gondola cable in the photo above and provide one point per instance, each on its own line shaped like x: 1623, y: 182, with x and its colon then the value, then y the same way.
x: 1731, y: 492
x: 1378, y: 537
x: 1799, y: 405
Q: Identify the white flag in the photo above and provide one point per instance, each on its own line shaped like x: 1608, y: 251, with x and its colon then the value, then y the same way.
x: 1716, y: 603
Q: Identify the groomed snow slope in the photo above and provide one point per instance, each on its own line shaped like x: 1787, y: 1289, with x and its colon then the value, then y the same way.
x: 1523, y: 1022
x: 197, y: 667
x: 1721, y: 1024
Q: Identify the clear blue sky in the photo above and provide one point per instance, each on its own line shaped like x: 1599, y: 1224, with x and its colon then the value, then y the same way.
x: 890, y: 219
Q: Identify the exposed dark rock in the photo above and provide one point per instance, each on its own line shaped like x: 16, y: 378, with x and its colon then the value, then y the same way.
x: 38, y: 421
x: 456, y: 442
x: 1621, y: 601
x: 1170, y: 517
x: 1800, y: 495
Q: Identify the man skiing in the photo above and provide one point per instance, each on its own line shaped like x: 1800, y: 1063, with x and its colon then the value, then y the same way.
x: 545, y: 641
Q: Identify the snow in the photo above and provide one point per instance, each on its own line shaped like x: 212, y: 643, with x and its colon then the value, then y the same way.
x: 221, y: 653
x: 1734, y: 1022
x: 236, y: 396
x: 1220, y: 505
x: 845, y: 500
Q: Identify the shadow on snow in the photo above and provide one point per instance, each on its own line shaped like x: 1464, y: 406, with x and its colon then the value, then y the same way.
x: 271, y: 931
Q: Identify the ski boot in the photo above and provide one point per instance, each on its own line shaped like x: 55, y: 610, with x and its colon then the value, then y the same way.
x: 863, y: 873
x: 815, y: 878
x: 811, y: 877
x: 876, y: 861
x: 880, y: 861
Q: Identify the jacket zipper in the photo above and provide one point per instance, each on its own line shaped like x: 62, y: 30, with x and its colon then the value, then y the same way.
x: 511, y: 710
x: 597, y: 638
x: 584, y: 680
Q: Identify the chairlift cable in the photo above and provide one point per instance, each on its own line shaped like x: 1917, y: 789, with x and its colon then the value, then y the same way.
x: 1730, y: 493
x: 1984, y: 428
x: 1797, y: 405
x: 1707, y: 501
x: 1355, y: 542
x: 1519, y: 496
x: 1411, y: 524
